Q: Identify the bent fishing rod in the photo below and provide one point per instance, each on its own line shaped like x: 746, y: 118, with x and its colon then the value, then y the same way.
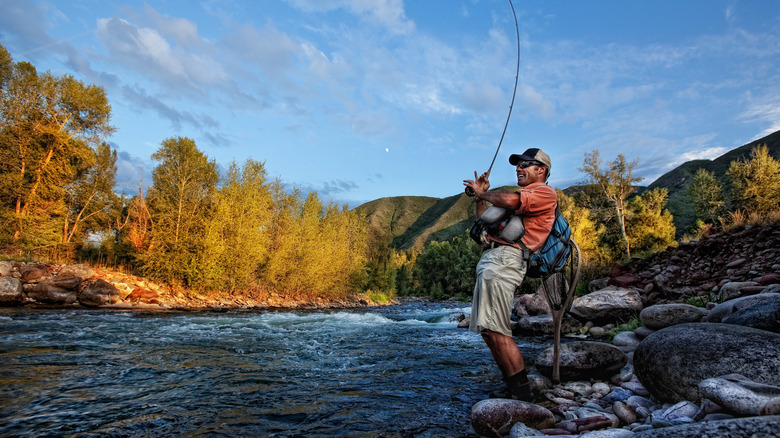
x: 469, y: 190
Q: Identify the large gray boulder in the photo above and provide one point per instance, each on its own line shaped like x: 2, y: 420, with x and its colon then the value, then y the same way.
x: 582, y: 360
x: 11, y: 293
x: 732, y: 428
x: 765, y: 316
x: 672, y: 362
x: 610, y: 304
x: 666, y: 315
x: 723, y: 310
x: 497, y: 416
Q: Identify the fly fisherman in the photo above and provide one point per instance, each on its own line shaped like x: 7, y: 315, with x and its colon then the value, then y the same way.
x: 502, y: 266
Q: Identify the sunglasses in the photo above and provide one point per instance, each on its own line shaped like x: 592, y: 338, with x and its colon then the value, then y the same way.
x: 524, y: 164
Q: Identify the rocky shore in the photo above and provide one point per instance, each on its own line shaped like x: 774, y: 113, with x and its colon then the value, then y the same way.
x: 706, y: 370
x: 81, y: 286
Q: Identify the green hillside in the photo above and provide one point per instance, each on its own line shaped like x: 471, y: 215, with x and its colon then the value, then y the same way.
x: 410, y: 222
x: 679, y: 179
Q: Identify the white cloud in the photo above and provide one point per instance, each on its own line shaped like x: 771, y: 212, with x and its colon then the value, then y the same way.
x: 388, y: 13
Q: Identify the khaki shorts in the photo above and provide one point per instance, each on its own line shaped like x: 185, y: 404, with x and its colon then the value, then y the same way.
x: 499, y: 272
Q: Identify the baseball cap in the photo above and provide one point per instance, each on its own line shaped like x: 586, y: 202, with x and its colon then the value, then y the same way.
x: 532, y: 154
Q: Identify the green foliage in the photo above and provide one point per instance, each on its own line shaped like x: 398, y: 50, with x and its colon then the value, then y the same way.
x: 91, y: 201
x: 48, y: 128
x: 706, y: 195
x: 180, y: 205
x: 237, y: 236
x: 650, y: 225
x: 447, y: 269
x: 627, y: 326
x: 756, y: 182
x: 616, y: 182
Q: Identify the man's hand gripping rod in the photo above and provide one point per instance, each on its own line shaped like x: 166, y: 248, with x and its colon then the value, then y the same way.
x: 469, y: 190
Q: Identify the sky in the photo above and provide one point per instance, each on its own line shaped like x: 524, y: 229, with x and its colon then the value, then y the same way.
x: 363, y: 99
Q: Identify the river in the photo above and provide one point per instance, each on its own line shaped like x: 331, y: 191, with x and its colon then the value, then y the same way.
x: 397, y: 371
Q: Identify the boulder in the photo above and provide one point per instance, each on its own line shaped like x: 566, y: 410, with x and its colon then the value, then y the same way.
x: 81, y: 271
x: 672, y: 362
x: 497, y: 416
x: 34, y: 272
x: 582, y: 360
x: 734, y: 289
x: 543, y: 325
x: 6, y: 268
x: 55, y: 290
x: 146, y: 296
x: 610, y: 304
x: 732, y: 428
x: 538, y: 304
x: 98, y: 292
x: 723, y: 310
x: 661, y: 316
x: 739, y: 395
x: 765, y: 316
x: 11, y: 293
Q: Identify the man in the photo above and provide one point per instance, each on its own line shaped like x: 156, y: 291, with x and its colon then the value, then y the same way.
x: 502, y: 266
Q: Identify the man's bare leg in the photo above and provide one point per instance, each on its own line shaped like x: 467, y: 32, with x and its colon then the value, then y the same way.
x: 509, y: 359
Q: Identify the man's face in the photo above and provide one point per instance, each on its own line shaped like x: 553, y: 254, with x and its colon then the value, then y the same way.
x: 530, y: 172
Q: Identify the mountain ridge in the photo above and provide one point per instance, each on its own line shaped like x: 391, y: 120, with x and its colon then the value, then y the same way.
x: 411, y: 222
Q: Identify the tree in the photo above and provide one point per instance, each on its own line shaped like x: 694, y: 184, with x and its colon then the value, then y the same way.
x: 237, y: 237
x: 91, y: 198
x: 616, y: 183
x: 584, y: 230
x: 179, y: 202
x: 756, y: 182
x: 446, y: 269
x: 651, y: 226
x: 706, y: 196
x: 48, y: 128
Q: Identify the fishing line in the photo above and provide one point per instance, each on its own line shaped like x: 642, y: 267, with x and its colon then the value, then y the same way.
x: 469, y: 190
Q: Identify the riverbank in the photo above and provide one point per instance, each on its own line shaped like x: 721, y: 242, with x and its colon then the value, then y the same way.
x: 47, y: 285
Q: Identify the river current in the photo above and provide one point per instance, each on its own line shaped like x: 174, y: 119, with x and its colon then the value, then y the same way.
x: 395, y: 371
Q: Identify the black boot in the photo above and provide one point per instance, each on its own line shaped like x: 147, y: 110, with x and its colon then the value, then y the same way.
x: 519, y: 386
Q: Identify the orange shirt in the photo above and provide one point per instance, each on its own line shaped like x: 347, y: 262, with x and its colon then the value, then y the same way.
x: 537, y: 207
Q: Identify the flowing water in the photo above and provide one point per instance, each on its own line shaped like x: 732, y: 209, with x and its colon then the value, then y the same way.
x: 396, y: 371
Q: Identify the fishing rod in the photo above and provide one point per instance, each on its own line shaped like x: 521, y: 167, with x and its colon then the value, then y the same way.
x: 469, y: 190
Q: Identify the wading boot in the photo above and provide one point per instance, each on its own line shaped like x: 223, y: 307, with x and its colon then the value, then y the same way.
x: 519, y: 387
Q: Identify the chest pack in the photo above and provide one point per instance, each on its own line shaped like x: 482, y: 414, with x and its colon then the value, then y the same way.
x: 502, y: 224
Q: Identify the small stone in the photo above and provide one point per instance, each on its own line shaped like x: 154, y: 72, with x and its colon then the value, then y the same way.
x: 623, y: 412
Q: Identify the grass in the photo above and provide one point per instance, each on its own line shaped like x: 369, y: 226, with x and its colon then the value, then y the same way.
x: 627, y: 326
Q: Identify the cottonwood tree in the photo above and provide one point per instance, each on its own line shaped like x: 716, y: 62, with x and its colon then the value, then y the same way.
x: 756, y: 182
x: 238, y: 232
x: 179, y: 201
x: 48, y: 128
x: 706, y: 195
x: 90, y: 199
x: 584, y: 230
x: 616, y: 183
x: 651, y: 226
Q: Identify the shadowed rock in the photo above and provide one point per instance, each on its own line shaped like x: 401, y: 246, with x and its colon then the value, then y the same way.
x: 583, y: 360
x: 733, y: 428
x: 672, y: 362
x: 497, y: 416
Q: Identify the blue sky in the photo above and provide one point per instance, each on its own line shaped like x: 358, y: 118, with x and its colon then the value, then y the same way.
x: 363, y: 99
